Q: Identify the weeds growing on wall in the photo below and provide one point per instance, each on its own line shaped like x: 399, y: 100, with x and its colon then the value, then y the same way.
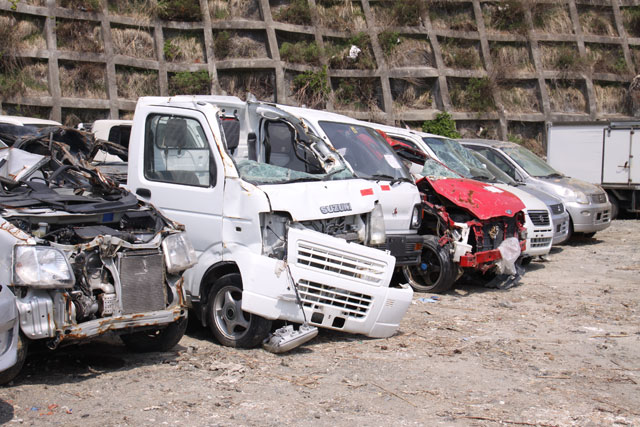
x: 179, y: 10
x: 475, y: 95
x: 443, y: 125
x: 338, y: 53
x: 188, y: 83
x: 311, y: 88
x: 302, y: 52
x: 389, y: 40
x: 357, y: 94
x: 297, y: 12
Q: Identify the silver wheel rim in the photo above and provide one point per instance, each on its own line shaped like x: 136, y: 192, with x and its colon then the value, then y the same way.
x: 230, y: 320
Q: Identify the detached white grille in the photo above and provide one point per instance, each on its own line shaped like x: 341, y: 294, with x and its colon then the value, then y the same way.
x: 340, y: 263
x: 352, y: 304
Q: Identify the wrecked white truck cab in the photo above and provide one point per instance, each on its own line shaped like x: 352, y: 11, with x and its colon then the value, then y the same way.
x: 276, y: 219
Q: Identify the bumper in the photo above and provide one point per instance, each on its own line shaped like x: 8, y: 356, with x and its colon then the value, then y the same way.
x: 560, y: 228
x: 9, y: 330
x: 405, y: 248
x: 479, y: 260
x: 539, y: 241
x: 342, y: 286
x: 589, y: 218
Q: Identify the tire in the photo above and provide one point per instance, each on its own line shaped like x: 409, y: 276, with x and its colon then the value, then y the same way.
x: 615, y: 206
x: 12, y: 372
x: 156, y: 340
x: 436, y: 272
x: 231, y: 326
x: 526, y: 260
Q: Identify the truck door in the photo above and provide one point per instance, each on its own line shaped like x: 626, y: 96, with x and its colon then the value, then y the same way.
x: 181, y: 172
x: 617, y: 159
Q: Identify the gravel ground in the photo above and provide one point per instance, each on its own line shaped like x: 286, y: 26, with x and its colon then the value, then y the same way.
x: 563, y: 348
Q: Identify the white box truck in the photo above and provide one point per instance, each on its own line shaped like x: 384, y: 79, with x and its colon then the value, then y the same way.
x: 603, y: 153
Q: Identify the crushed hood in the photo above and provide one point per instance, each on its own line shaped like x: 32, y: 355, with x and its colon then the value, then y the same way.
x: 483, y: 200
x: 322, y: 199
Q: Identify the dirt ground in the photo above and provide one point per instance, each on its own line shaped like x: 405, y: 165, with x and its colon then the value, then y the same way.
x: 563, y: 348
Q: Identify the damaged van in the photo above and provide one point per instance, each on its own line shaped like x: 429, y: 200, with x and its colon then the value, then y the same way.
x: 277, y: 219
x: 82, y: 257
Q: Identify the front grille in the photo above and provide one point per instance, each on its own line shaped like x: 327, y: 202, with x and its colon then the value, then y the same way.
x: 492, y: 233
x: 539, y: 217
x: 340, y: 263
x: 557, y: 209
x: 598, y: 198
x: 142, y: 281
x: 352, y: 304
x: 540, y: 242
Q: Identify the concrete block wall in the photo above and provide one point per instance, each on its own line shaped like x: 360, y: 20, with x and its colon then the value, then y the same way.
x: 124, y: 56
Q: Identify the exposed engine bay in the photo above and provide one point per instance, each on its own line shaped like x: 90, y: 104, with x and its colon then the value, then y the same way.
x: 86, y: 248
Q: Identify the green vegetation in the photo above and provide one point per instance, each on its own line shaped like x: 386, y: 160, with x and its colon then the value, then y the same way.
x: 179, y: 10
x: 480, y: 94
x: 296, y: 12
x: 171, y: 51
x: 88, y: 5
x: 443, y: 125
x: 188, y: 83
x: 338, y: 53
x: 407, y: 12
x: 388, y: 41
x: 517, y: 139
x: 631, y: 18
x: 222, y: 44
x: 507, y: 16
x: 302, y: 52
x: 357, y: 94
x: 460, y: 55
x: 311, y: 87
x: 568, y: 59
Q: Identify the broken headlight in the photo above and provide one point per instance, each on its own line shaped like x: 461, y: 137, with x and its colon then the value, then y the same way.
x: 178, y: 252
x: 376, y: 226
x: 42, y: 267
x: 416, y: 217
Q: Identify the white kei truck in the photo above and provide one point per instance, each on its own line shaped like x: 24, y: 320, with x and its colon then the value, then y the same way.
x: 602, y: 153
x: 277, y: 218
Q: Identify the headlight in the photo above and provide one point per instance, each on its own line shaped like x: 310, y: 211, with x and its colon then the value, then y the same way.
x: 376, y: 226
x: 582, y: 198
x: 42, y: 267
x: 416, y: 217
x: 178, y: 253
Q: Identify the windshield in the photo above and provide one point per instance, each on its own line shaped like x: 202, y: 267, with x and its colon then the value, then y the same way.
x: 366, y: 151
x: 531, y: 163
x: 433, y: 169
x: 498, y: 174
x: 458, y: 158
x: 283, y: 156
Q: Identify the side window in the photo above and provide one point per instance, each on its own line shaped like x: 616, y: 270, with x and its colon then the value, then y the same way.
x: 497, y: 160
x: 177, y: 152
x: 408, y: 142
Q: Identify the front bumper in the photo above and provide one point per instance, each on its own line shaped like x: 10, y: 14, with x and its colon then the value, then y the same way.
x: 481, y: 260
x: 560, y: 227
x: 589, y: 218
x: 406, y: 248
x: 342, y: 286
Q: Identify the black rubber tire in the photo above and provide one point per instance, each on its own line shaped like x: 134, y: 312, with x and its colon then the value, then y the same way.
x: 615, y: 206
x: 163, y: 339
x: 231, y: 326
x: 12, y: 372
x: 436, y: 272
x: 526, y: 260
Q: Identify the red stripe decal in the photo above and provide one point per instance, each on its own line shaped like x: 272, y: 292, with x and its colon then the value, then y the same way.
x: 385, y: 188
x: 367, y: 192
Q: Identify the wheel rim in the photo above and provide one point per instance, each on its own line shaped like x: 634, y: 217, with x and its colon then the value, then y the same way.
x: 230, y: 320
x: 428, y: 272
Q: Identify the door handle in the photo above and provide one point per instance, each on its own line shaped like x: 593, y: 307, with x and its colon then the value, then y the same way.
x: 143, y: 192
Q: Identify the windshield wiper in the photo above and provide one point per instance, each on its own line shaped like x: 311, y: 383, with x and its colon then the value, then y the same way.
x: 332, y: 173
x: 301, y: 179
x: 553, y: 175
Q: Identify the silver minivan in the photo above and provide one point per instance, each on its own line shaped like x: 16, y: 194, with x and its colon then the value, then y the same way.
x: 586, y: 203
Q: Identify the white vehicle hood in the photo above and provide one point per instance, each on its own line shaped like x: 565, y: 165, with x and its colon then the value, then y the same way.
x: 322, y: 199
x: 530, y: 202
